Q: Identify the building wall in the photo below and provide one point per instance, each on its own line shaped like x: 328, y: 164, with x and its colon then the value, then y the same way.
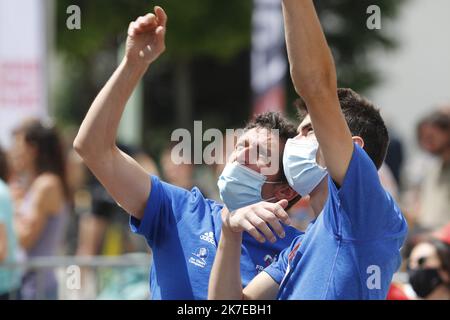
x: 416, y: 76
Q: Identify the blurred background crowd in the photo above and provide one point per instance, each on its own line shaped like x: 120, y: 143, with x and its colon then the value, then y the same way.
x: 225, y: 61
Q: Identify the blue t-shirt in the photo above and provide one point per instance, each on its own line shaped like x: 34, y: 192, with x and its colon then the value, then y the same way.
x: 183, y: 229
x: 352, y: 249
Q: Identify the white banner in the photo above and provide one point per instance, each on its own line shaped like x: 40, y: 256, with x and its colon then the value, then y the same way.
x: 23, y: 70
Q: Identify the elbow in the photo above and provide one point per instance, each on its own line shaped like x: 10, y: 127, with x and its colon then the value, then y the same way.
x: 83, y: 148
x: 91, y: 150
x: 79, y: 145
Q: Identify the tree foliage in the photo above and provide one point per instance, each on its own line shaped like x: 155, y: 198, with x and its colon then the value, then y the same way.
x: 196, y: 27
x: 344, y: 22
x: 216, y: 30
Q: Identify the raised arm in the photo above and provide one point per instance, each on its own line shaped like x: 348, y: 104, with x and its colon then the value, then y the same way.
x: 225, y: 281
x: 314, y: 78
x: 122, y: 176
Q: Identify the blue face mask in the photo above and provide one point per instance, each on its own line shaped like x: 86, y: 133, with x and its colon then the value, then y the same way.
x: 240, y: 186
x: 300, y: 167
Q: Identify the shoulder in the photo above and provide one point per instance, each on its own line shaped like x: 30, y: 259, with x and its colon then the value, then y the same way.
x: 47, y: 186
x: 47, y: 181
x: 361, y: 158
x: 361, y: 172
x: 180, y: 201
x: 180, y: 195
x: 293, y: 233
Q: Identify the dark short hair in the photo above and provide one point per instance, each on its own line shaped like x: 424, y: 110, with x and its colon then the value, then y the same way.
x: 439, y: 119
x: 363, y: 119
x: 4, y: 172
x: 275, y: 121
x: 443, y: 252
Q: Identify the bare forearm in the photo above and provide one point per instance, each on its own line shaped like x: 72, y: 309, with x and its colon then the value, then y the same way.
x: 314, y: 77
x: 98, y: 131
x: 26, y: 235
x: 225, y: 280
x: 312, y: 65
x: 3, y: 242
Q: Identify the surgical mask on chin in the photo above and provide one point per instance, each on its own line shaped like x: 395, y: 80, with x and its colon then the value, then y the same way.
x: 300, y: 166
x: 240, y: 186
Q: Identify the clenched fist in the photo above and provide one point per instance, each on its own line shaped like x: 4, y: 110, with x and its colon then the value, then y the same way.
x: 146, y: 38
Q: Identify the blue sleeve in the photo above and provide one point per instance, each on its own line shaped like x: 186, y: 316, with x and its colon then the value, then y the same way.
x: 166, y: 206
x: 361, y: 209
x: 277, y: 269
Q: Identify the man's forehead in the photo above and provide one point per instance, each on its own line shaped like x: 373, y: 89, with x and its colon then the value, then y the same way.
x: 259, y: 135
x: 423, y: 249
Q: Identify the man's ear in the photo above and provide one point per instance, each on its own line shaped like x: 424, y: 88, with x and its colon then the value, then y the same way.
x: 358, y: 140
x: 284, y: 191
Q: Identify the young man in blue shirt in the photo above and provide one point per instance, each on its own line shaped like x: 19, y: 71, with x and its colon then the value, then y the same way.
x: 352, y: 247
x: 182, y: 227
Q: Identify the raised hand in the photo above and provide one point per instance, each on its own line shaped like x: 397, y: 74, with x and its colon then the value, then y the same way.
x: 256, y: 218
x: 146, y: 38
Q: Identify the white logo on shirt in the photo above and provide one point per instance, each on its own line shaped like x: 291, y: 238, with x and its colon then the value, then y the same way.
x: 199, y: 257
x: 208, y: 237
x: 268, y: 259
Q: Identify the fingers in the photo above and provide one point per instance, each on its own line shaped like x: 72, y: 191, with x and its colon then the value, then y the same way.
x: 131, y: 29
x: 149, y: 22
x: 143, y: 24
x: 278, y: 210
x: 256, y: 219
x: 251, y: 229
x: 161, y: 16
x: 261, y: 225
x: 272, y: 220
x: 283, y: 203
x: 146, y: 23
x: 160, y: 33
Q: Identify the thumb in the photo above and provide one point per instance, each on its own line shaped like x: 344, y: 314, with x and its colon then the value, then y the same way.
x: 283, y: 203
x: 160, y: 31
